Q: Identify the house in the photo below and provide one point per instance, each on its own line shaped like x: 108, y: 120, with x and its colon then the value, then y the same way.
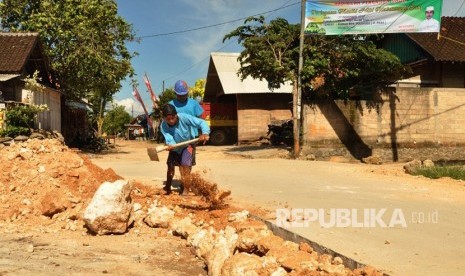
x: 421, y: 117
x: 437, y: 60
x: 21, y: 55
x: 256, y: 105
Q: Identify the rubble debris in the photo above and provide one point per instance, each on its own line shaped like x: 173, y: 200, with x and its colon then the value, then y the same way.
x: 227, y: 239
x: 53, y: 203
x: 159, y: 217
x: 373, y: 159
x: 57, y: 180
x: 208, y: 190
x: 412, y: 166
x: 239, y: 216
x: 427, y: 163
x: 241, y: 264
x: 110, y: 210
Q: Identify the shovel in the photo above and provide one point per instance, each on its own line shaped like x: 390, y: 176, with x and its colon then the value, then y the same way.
x: 153, y: 152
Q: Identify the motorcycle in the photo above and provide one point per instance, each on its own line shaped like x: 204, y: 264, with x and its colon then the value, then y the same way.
x: 281, y: 132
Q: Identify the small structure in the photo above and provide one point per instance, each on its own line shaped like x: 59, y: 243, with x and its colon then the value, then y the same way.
x: 132, y: 131
x: 436, y: 60
x: 256, y: 104
x: 75, y: 126
x: 21, y: 55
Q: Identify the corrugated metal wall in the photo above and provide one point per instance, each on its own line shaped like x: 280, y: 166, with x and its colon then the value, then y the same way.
x: 49, y: 120
x: 403, y: 47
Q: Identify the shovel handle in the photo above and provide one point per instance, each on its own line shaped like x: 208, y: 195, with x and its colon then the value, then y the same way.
x: 164, y: 147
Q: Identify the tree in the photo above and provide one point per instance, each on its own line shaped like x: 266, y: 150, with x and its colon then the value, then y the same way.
x: 270, y: 50
x: 343, y: 67
x: 333, y: 65
x: 336, y: 66
x: 84, y: 40
x: 115, y: 120
x: 165, y: 97
x: 198, y: 90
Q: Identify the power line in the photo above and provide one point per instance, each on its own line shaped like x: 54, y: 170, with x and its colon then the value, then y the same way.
x: 285, y: 5
x: 461, y: 6
x: 217, y: 24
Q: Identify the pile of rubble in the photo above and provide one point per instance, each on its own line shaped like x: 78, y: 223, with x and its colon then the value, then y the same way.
x: 245, y: 246
x: 238, y: 246
x: 44, y: 177
x: 44, y: 183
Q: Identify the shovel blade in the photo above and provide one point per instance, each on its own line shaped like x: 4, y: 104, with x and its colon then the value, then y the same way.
x: 153, y: 154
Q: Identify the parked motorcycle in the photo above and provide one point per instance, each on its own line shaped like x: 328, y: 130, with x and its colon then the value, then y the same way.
x: 281, y: 132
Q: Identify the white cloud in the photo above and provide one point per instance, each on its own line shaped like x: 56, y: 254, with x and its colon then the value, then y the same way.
x: 131, y: 106
x: 199, y: 44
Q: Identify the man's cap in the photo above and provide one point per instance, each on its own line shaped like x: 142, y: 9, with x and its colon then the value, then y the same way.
x: 180, y: 88
x: 430, y: 8
x: 169, y: 109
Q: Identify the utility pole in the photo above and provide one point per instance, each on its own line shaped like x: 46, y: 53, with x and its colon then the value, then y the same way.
x: 297, y: 97
x: 163, y: 87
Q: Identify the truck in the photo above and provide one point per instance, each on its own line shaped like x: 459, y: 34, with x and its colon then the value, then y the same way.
x: 222, y: 119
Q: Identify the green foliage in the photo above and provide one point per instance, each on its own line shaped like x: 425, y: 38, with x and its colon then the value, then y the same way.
x: 84, y: 40
x: 334, y: 66
x: 165, y: 97
x: 115, y: 120
x: 455, y: 172
x: 13, y: 131
x: 198, y: 90
x: 20, y: 119
x: 270, y: 50
x: 348, y: 67
x: 32, y: 83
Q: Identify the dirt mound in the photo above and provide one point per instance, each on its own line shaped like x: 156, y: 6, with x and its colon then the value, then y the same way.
x: 45, y: 177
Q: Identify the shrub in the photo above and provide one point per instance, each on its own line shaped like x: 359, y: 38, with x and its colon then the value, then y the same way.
x: 455, y: 172
x: 20, y: 119
x: 13, y: 131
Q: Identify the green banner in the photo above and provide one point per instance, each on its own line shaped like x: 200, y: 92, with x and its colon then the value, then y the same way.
x: 330, y: 17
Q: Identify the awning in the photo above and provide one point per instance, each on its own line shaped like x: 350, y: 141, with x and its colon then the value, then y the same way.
x: 5, y: 77
x: 78, y: 105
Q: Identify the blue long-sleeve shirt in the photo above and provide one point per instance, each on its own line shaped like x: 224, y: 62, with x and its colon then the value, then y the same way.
x: 185, y: 129
x: 190, y: 106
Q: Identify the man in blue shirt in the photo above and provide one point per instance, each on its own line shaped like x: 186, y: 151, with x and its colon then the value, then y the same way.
x: 183, y: 103
x: 176, y: 128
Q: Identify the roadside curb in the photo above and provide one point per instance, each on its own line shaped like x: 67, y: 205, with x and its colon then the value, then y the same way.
x: 320, y: 249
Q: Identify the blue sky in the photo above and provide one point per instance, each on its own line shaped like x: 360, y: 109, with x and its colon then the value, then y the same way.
x: 185, y: 56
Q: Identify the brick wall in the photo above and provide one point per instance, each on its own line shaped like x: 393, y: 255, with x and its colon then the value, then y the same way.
x: 402, y: 123
x: 255, y: 111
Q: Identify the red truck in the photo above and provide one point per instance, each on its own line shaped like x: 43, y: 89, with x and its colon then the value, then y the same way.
x: 222, y: 119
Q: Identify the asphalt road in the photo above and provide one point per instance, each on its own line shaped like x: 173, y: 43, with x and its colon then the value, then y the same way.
x: 377, y: 215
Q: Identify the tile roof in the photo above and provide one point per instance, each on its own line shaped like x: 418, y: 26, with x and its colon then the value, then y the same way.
x: 451, y: 43
x: 15, y: 48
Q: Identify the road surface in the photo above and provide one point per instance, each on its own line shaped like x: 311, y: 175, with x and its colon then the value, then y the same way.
x: 401, y: 224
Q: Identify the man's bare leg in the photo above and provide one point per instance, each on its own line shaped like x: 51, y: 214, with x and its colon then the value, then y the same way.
x: 169, y: 179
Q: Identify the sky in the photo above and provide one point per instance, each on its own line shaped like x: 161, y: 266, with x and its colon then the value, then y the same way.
x: 167, y: 58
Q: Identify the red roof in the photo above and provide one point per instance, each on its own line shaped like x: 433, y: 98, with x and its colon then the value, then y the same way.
x: 451, y: 43
x: 15, y: 48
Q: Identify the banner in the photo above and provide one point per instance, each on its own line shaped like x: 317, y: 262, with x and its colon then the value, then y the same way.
x: 153, y: 97
x: 338, y: 17
x: 136, y: 95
